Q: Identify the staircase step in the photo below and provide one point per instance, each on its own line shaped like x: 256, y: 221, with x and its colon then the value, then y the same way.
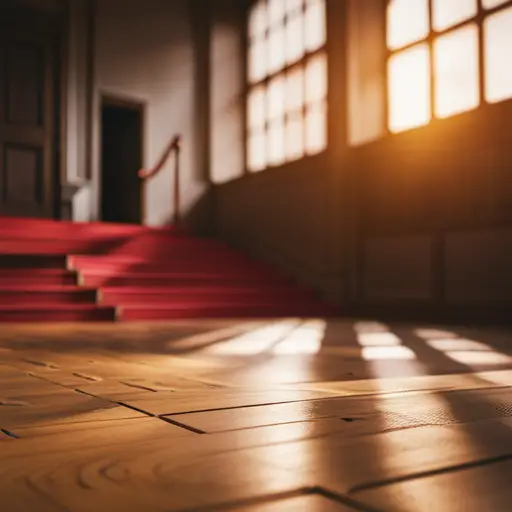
x: 56, y: 313
x: 153, y: 273
x: 177, y: 279
x: 162, y: 295
x: 175, y: 312
x: 30, y: 260
x: 37, y: 277
x: 16, y: 295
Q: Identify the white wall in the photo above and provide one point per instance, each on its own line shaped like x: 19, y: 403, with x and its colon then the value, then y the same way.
x: 144, y: 52
x: 227, y: 91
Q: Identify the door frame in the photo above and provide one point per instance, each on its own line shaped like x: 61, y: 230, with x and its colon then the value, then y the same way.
x: 113, y: 100
x: 54, y: 30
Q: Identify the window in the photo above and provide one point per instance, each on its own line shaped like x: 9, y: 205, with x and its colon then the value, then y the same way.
x: 287, y: 75
x: 433, y: 63
x: 498, y: 48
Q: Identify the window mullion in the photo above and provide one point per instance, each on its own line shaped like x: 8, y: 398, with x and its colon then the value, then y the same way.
x: 430, y: 42
x: 481, y: 51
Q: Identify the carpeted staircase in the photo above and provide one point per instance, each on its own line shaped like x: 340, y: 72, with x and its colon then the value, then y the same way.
x: 60, y: 271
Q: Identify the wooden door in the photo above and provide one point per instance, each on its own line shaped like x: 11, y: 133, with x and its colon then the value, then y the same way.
x: 27, y: 112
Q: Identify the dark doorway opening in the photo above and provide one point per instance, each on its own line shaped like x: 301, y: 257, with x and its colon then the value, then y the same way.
x: 122, y: 127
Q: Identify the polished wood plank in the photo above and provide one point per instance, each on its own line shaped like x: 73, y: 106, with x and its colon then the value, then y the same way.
x: 110, y: 418
x: 473, y: 489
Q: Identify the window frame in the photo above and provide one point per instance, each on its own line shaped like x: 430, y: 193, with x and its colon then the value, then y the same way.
x: 283, y: 72
x: 478, y: 19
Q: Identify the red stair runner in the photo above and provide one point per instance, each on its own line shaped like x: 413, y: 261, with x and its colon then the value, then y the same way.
x: 60, y: 271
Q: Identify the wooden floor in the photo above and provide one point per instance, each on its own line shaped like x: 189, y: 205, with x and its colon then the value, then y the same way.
x: 274, y: 416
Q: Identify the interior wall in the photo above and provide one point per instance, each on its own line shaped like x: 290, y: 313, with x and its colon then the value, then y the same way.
x: 227, y: 86
x: 281, y: 215
x: 418, y: 219
x: 147, y: 51
x: 75, y: 188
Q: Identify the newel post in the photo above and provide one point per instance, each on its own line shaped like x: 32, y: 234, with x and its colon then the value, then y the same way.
x: 176, y: 209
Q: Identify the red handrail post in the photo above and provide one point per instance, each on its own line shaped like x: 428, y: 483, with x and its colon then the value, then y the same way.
x: 176, y: 208
x: 173, y: 146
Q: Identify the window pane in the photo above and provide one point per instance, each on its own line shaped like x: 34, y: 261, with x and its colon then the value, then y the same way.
x: 498, y: 48
x: 258, y: 19
x: 456, y: 71
x: 276, y: 98
x: 256, y: 108
x: 275, y: 142
x: 447, y: 13
x: 276, y: 11
x: 409, y: 88
x: 407, y: 22
x: 294, y: 39
x: 316, y: 78
x: 276, y: 49
x: 295, y: 137
x: 295, y: 89
x: 490, y: 4
x: 257, y: 60
x: 315, y: 24
x: 256, y: 152
x: 316, y: 128
x: 293, y: 6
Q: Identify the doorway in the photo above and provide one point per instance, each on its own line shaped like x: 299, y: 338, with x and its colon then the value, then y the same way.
x: 122, y: 135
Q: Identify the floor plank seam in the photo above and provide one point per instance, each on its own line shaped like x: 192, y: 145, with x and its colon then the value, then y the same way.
x: 8, y: 433
x: 343, y: 499
x: 182, y: 425
x: 434, y: 472
x: 253, y: 500
x: 133, y: 408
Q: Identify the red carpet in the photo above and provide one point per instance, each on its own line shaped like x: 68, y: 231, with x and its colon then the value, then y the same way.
x: 60, y: 271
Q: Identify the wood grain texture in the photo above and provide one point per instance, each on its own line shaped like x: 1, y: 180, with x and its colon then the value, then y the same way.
x: 97, y: 419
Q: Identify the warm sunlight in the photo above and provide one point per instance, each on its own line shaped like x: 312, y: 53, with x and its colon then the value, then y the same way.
x: 256, y: 341
x: 456, y: 71
x: 378, y: 343
x: 407, y: 22
x: 447, y: 13
x: 295, y: 44
x: 287, y: 71
x: 456, y: 67
x: 498, y: 48
x: 491, y: 4
x: 315, y: 24
x: 305, y: 339
x: 409, y: 88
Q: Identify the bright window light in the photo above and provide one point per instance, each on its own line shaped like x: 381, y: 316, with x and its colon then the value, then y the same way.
x: 276, y: 142
x: 491, y: 4
x: 295, y: 44
x: 276, y: 97
x: 257, y: 60
x: 456, y: 71
x: 256, y: 151
x: 276, y: 50
x: 409, y: 88
x: 287, y: 75
x: 315, y: 24
x: 316, y: 128
x: 256, y: 108
x: 407, y: 22
x: 276, y: 12
x: 295, y: 136
x: 258, y: 21
x: 498, y: 48
x: 316, y: 78
x: 447, y: 13
x: 295, y: 89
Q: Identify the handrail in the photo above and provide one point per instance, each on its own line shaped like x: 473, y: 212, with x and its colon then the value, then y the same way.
x: 174, y: 146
